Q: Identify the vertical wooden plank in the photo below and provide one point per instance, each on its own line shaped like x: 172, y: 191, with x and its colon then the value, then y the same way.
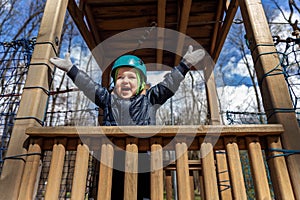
x: 131, y: 170
x: 202, y: 190
x: 192, y: 185
x: 223, y: 175
x: 168, y: 185
x: 182, y: 171
x: 157, y: 185
x: 279, y: 174
x: 211, y: 95
x: 209, y: 171
x: 214, y: 119
x: 33, y: 101
x: 236, y: 171
x: 80, y: 172
x: 106, y: 170
x: 274, y: 90
x: 55, y: 172
x: 258, y: 170
x: 30, y: 174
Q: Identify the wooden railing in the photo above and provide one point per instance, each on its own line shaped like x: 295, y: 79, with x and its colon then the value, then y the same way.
x: 206, y: 139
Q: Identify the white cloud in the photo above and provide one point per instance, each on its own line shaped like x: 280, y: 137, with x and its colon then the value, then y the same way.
x: 237, y: 98
x: 155, y: 77
x: 241, y: 68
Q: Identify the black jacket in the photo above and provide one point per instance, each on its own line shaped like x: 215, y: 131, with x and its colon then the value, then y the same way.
x: 139, y: 109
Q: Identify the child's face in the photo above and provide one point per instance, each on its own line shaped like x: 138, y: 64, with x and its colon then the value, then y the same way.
x: 126, y: 82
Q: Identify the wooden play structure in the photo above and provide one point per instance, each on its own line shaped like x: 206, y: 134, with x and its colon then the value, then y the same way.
x: 207, y: 22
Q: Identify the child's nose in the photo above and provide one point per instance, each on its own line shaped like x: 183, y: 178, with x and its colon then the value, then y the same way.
x: 126, y: 79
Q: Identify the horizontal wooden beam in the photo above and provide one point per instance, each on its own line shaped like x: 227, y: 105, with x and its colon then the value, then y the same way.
x: 157, y: 131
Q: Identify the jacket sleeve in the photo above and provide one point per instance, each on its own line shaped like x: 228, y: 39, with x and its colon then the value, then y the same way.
x: 95, y: 92
x: 161, y: 92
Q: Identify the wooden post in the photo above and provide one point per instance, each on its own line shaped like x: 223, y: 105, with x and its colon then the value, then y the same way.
x: 215, y: 119
x: 258, y: 170
x: 236, y: 171
x: 80, y: 172
x: 209, y: 171
x: 30, y: 174
x: 169, y: 190
x: 192, y: 185
x: 274, y: 90
x: 157, y: 185
x: 182, y: 171
x: 55, y: 171
x: 223, y: 174
x: 211, y: 94
x: 131, y: 170
x: 34, y: 99
x: 106, y: 171
x: 279, y: 174
x: 202, y: 190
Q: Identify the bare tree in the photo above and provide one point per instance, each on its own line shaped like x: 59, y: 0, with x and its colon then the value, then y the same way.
x: 292, y: 22
x: 188, y: 106
x: 237, y: 39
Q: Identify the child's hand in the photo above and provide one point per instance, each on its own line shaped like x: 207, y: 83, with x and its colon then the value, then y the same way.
x: 191, y: 58
x: 63, y: 64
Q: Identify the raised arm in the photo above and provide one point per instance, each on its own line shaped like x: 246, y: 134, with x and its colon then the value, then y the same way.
x: 161, y: 92
x: 95, y: 92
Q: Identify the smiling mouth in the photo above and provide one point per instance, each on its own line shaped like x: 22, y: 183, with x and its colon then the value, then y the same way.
x: 125, y: 89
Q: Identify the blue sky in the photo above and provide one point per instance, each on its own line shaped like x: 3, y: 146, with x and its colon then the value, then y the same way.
x: 233, y: 69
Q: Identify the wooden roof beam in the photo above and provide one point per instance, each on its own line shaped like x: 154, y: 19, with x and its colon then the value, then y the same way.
x: 92, y: 23
x: 82, y: 5
x: 217, y: 26
x: 233, y: 6
x: 78, y: 17
x: 161, y: 18
x: 184, y: 19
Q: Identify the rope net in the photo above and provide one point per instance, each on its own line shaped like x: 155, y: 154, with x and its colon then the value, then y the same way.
x: 14, y: 62
x: 289, y: 66
x: 62, y: 110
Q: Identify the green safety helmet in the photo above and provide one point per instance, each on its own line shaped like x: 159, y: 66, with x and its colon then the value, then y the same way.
x: 129, y: 61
